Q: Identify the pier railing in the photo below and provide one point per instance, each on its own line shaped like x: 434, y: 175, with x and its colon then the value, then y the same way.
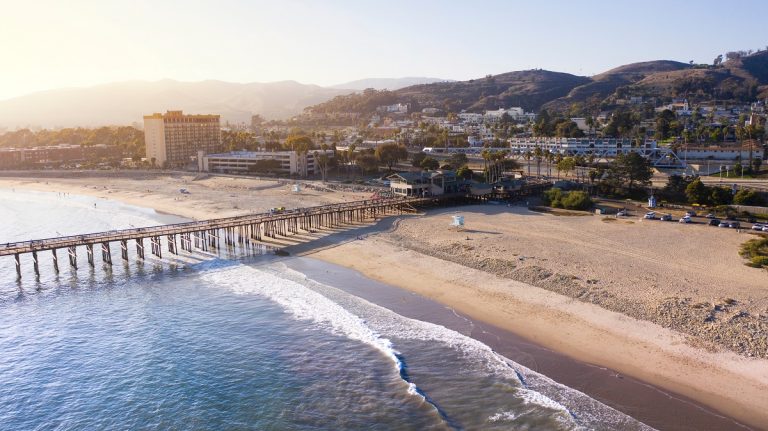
x: 209, y: 233
x: 243, y: 229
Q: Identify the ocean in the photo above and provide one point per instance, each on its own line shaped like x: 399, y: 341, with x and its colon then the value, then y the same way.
x: 240, y: 339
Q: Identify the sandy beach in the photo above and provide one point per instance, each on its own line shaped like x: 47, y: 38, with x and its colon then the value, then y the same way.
x: 208, y: 197
x: 666, y: 303
x: 555, y: 280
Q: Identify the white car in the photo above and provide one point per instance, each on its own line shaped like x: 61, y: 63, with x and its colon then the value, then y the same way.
x: 758, y: 227
x: 686, y: 219
x: 650, y: 215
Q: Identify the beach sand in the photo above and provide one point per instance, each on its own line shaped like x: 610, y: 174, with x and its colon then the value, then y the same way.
x: 665, y: 303
x: 631, y: 263
x: 208, y: 197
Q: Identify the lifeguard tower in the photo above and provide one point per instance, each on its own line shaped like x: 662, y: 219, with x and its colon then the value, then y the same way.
x: 457, y: 222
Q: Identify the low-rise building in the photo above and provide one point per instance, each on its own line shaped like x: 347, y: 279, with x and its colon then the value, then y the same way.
x: 716, y: 152
x: 52, y: 154
x: 286, y: 162
x: 424, y: 183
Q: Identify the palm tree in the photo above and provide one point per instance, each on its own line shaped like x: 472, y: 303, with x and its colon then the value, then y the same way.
x: 550, y: 156
x: 527, y: 156
x: 486, y: 155
x: 538, y: 153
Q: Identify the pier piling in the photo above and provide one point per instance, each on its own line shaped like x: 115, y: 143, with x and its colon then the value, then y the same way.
x: 229, y: 232
x: 89, y: 250
x: 140, y: 248
x: 72, y: 256
x: 35, y: 264
x: 106, y: 253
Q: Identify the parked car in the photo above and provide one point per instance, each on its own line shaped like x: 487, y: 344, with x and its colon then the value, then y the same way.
x: 723, y: 224
x: 666, y: 217
x: 765, y: 228
x: 734, y: 224
x: 685, y: 219
x: 690, y: 213
x: 622, y: 212
x: 714, y: 222
x: 757, y: 226
x: 650, y: 215
x: 710, y: 215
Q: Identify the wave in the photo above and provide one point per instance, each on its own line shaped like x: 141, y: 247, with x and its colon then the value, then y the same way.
x: 305, y: 304
x: 360, y: 320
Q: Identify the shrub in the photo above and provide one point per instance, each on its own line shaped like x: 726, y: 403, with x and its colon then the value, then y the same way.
x: 756, y: 250
x: 552, y: 196
x: 748, y: 197
x: 577, y: 200
x: 759, y: 261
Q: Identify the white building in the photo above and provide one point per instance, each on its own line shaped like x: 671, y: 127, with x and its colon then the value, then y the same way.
x: 516, y: 113
x: 599, y: 148
x: 291, y: 163
x: 471, y: 117
x: 397, y: 108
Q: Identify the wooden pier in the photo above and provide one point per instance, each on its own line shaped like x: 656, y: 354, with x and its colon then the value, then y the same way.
x: 209, y: 234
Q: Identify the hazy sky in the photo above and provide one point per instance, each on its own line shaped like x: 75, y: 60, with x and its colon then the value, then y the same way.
x: 59, y: 43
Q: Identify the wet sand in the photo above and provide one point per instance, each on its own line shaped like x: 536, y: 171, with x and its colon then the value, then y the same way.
x: 647, y: 403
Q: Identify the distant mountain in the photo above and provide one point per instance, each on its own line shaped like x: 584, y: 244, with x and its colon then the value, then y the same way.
x: 387, y: 83
x: 742, y: 78
x: 605, y: 84
x: 126, y: 102
x: 529, y: 89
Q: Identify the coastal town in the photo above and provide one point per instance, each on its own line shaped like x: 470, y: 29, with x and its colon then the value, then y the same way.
x: 555, y: 250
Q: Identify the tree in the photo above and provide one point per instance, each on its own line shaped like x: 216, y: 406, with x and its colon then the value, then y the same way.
x: 301, y: 144
x: 674, y: 191
x: 665, y: 122
x: 633, y: 169
x: 430, y: 164
x: 621, y: 123
x: 465, y: 172
x: 538, y: 153
x: 389, y: 154
x: 719, y: 196
x: 543, y: 125
x: 527, y: 156
x: 756, y: 164
x: 748, y: 197
x: 417, y: 158
x: 697, y: 192
x: 457, y: 160
x: 565, y: 165
x: 367, y: 162
x: 568, y: 129
x: 322, y: 162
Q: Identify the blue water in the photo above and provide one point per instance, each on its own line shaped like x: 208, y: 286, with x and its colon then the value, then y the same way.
x: 238, y: 341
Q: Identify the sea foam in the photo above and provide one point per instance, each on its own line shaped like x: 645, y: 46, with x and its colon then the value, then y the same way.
x: 360, y: 320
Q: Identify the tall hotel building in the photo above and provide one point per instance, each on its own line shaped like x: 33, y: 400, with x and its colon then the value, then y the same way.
x: 173, y: 139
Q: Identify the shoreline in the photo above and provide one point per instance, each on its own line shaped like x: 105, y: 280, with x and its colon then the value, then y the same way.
x: 642, y: 401
x: 726, y: 382
x: 723, y: 381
